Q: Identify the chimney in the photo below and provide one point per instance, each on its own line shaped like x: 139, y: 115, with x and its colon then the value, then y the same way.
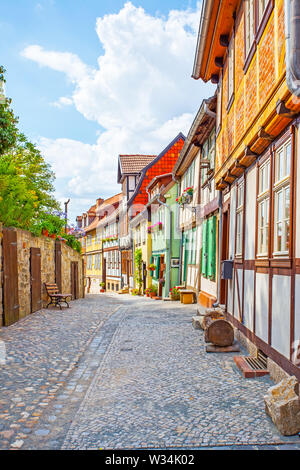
x: 79, y: 221
x: 84, y: 216
x: 99, y: 201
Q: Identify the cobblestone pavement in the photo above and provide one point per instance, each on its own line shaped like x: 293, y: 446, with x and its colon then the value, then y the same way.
x: 38, y: 355
x: 121, y: 372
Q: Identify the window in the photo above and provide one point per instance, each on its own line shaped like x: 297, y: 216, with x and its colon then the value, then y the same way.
x: 188, y: 179
x: 239, y: 219
x: 262, y: 5
x: 282, y: 199
x: 219, y: 105
x: 230, y: 90
x: 249, y: 25
x: 204, y: 157
x: 263, y: 204
x: 212, y: 149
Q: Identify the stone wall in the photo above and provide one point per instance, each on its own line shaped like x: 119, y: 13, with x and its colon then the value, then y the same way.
x: 68, y: 256
x: 26, y: 241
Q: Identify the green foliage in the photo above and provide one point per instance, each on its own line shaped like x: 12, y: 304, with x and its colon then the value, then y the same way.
x: 135, y: 292
x: 8, y: 122
x: 73, y: 242
x: 48, y: 221
x: 26, y: 180
x: 138, y: 276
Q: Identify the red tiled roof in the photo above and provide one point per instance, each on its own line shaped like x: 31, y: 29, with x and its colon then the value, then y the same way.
x: 131, y: 164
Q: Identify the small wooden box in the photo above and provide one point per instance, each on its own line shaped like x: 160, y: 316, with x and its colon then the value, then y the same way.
x: 187, y: 297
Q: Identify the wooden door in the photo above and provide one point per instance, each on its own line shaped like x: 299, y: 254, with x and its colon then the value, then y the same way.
x: 162, y: 268
x: 74, y: 280
x: 144, y: 277
x: 58, y: 265
x: 35, y: 279
x: 224, y: 256
x: 10, y: 277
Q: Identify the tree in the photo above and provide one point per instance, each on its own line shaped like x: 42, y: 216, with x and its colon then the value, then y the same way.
x: 8, y: 122
x: 26, y: 180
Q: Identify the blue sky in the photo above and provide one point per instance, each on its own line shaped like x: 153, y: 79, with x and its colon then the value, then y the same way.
x: 73, y: 101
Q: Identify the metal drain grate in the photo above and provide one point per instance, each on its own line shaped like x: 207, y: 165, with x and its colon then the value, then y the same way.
x: 256, y: 363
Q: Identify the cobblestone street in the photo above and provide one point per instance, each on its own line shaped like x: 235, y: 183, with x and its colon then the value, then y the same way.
x: 122, y: 372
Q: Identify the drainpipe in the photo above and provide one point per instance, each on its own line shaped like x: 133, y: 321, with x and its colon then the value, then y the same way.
x: 217, y: 303
x: 292, y: 45
x: 170, y: 239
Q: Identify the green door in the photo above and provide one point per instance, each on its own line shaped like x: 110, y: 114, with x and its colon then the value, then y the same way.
x: 186, y: 254
x: 211, y: 248
x: 204, y: 250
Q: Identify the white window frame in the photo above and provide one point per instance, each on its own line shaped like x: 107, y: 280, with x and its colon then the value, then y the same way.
x: 230, y: 89
x: 262, y: 6
x: 239, y: 219
x: 249, y: 24
x: 263, y: 204
x: 282, y: 187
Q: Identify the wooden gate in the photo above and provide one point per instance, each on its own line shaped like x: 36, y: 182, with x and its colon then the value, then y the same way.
x: 10, y: 277
x: 35, y: 279
x: 74, y: 280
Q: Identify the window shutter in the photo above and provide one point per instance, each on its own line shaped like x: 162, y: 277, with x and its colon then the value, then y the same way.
x: 214, y: 247
x: 157, y: 266
x: 204, y: 250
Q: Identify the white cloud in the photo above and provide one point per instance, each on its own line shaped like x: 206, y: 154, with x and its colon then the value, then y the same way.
x: 141, y: 94
x: 62, y: 102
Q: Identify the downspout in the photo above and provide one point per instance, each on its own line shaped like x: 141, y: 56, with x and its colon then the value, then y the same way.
x: 217, y: 303
x: 170, y: 239
x: 292, y: 45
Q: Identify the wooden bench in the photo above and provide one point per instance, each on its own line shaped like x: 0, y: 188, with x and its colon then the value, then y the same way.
x: 56, y: 298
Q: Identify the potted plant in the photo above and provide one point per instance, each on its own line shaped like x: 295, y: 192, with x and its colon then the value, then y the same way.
x: 153, y: 292
x: 175, y: 293
x: 151, y: 267
x: 102, y: 285
x: 148, y: 292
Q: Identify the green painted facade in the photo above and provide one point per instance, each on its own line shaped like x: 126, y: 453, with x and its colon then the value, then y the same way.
x: 161, y: 244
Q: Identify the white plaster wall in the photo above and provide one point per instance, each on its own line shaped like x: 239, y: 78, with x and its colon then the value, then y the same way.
x: 208, y: 286
x: 262, y: 306
x: 297, y: 309
x: 281, y: 314
x: 239, y: 276
x: 230, y: 297
x: 250, y: 211
x: 248, y: 299
x: 297, y: 151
